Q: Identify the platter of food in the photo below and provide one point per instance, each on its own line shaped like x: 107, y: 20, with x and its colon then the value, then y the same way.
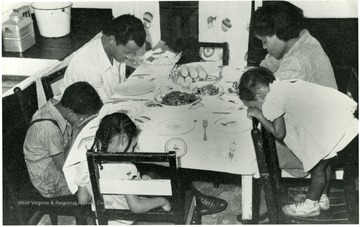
x: 208, y: 91
x: 186, y: 74
x: 177, y: 100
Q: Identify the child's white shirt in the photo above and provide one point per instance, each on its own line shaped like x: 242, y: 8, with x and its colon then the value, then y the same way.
x: 109, y: 171
x: 318, y: 119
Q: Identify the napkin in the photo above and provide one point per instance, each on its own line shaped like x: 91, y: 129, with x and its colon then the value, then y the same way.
x: 160, y: 57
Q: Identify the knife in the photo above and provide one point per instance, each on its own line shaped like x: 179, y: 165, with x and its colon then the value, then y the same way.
x: 127, y: 99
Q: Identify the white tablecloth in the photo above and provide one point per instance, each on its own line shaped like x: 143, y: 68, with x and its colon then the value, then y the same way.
x: 222, y: 151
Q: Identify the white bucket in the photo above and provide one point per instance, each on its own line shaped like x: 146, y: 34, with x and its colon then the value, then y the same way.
x: 53, y: 18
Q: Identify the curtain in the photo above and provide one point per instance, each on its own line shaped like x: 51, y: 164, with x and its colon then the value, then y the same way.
x: 226, y: 21
x: 148, y: 12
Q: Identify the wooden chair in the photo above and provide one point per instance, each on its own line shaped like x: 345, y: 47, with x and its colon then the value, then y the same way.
x: 352, y: 88
x: 193, y: 53
x: 212, y: 46
x: 281, y: 191
x: 49, y: 80
x: 23, y: 204
x: 184, y: 210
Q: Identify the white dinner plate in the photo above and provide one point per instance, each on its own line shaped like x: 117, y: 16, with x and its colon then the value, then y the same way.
x: 134, y: 87
x: 232, y: 124
x: 130, y: 110
x: 178, y: 145
x: 174, y: 127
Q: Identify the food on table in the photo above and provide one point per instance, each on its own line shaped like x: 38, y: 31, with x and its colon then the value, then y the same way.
x: 187, y: 74
x: 178, y: 98
x: 193, y: 73
x: 184, y: 71
x: 180, y: 80
x: 201, y: 72
x: 210, y: 89
x: 188, y: 81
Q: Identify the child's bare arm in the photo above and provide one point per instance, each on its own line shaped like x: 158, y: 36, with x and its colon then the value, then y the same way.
x: 141, y: 205
x: 83, y: 195
x: 276, y: 127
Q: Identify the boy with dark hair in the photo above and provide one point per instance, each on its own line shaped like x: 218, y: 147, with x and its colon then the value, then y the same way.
x: 52, y: 131
x: 101, y: 62
x: 292, y: 52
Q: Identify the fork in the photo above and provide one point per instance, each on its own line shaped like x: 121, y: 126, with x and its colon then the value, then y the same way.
x: 205, y: 124
x: 220, y: 74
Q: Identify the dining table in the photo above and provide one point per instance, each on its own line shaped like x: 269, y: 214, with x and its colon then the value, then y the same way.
x: 211, y: 134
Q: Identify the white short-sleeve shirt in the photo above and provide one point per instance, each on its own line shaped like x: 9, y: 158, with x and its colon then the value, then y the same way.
x: 317, y: 118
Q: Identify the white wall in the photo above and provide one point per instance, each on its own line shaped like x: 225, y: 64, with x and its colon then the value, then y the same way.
x: 97, y: 4
x: 312, y: 8
x: 7, y: 8
x: 328, y: 8
x: 325, y: 8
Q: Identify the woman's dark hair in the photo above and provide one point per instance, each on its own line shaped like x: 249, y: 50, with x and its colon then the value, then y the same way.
x: 112, y: 125
x: 82, y: 98
x: 125, y: 28
x: 279, y: 18
x: 251, y: 80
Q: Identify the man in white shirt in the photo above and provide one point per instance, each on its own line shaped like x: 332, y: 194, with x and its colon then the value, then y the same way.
x: 101, y: 62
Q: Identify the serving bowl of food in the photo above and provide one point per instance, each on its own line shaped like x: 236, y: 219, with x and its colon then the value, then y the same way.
x: 177, y: 101
x: 207, y: 91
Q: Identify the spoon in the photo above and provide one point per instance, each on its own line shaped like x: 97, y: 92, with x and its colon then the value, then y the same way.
x: 224, y: 124
x: 230, y: 90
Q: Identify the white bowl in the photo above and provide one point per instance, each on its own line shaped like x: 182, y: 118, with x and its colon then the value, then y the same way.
x: 205, y: 95
x: 178, y: 108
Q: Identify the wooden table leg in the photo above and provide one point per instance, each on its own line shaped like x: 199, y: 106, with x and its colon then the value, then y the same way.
x: 246, y: 198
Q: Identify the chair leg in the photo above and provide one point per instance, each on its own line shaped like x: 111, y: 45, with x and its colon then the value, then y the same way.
x: 351, y: 194
x: 82, y: 213
x: 256, y: 200
x: 196, y: 219
x: 35, y: 219
x: 53, y: 218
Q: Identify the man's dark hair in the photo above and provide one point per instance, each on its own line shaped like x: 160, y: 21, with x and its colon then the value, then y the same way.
x: 279, y: 18
x: 125, y: 28
x: 82, y: 98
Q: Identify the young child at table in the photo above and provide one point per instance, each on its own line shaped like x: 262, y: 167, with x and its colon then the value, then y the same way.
x: 117, y: 133
x: 314, y: 121
x: 51, y: 134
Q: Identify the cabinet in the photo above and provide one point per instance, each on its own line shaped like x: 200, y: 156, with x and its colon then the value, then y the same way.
x: 179, y: 23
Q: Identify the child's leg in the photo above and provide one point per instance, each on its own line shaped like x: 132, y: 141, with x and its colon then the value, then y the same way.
x: 310, y: 206
x: 328, y: 178
x: 319, y: 181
